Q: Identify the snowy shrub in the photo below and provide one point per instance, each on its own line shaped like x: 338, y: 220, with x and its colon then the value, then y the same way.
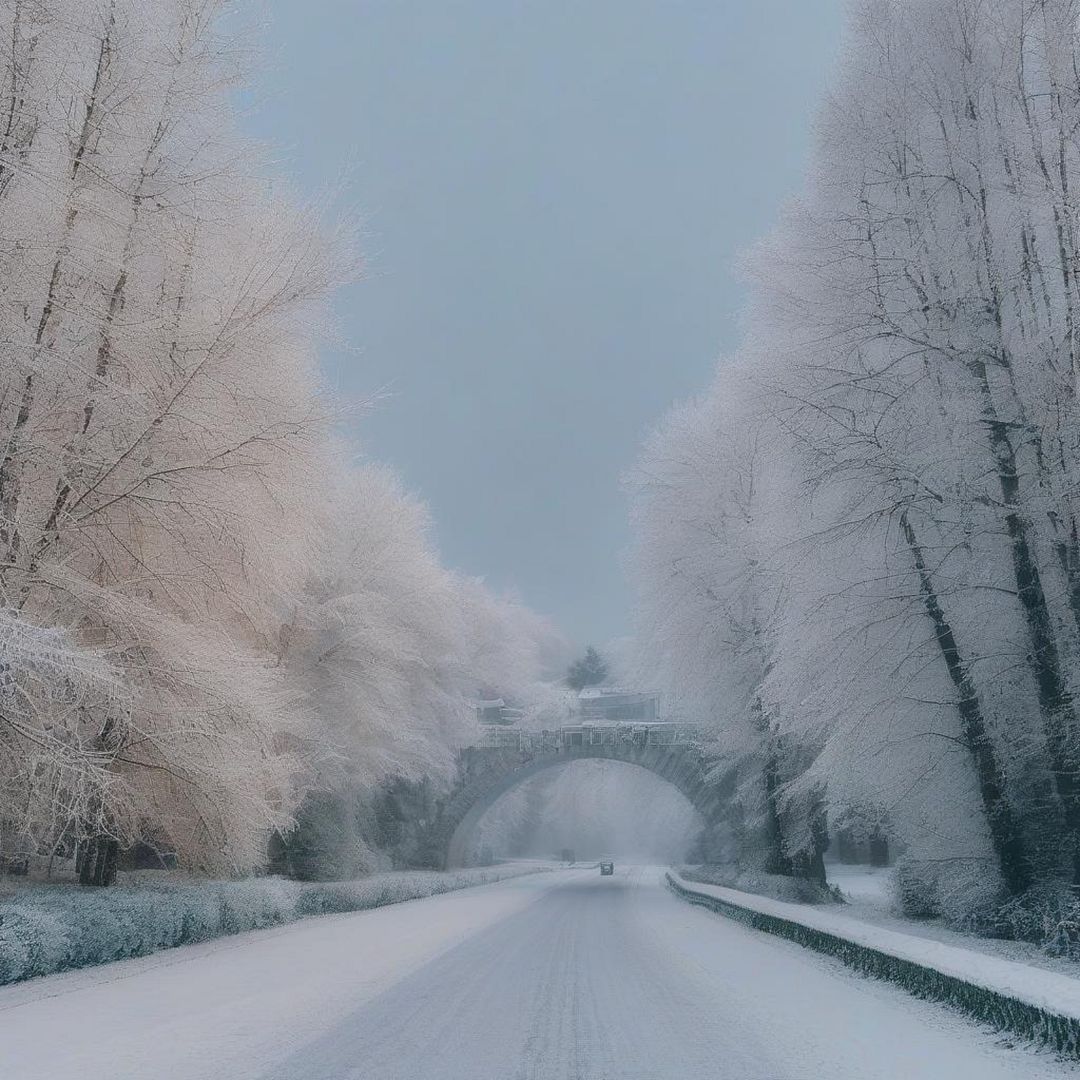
x: 108, y: 929
x: 31, y: 943
x: 253, y: 905
x: 197, y: 916
x: 48, y: 929
x: 961, y: 893
x: 14, y: 948
x: 968, y: 898
x: 1047, y: 915
x: 335, y: 897
x: 917, y: 889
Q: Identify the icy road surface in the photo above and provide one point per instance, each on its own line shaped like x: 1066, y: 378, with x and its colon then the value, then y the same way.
x: 562, y: 976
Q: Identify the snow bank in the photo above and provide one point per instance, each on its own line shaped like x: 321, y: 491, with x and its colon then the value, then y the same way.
x: 1036, y: 1004
x: 775, y: 886
x: 53, y: 928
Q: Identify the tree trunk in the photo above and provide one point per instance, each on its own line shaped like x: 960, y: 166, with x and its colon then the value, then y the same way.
x: 879, y: 848
x: 98, y: 856
x: 1004, y: 831
x: 1055, y: 701
x: 776, y: 860
x: 810, y: 864
x: 845, y: 848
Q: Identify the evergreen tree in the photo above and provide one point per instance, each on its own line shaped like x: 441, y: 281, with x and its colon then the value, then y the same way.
x: 589, y: 670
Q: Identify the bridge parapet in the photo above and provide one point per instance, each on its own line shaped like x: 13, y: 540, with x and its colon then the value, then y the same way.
x: 598, y: 733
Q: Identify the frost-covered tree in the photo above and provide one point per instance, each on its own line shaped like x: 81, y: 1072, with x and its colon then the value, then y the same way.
x: 157, y: 421
x: 912, y: 340
x: 934, y: 382
x: 378, y: 640
x: 389, y: 653
x: 589, y: 669
x: 711, y: 605
x: 204, y: 614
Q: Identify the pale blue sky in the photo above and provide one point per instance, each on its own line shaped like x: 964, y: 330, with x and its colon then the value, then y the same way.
x: 554, y: 194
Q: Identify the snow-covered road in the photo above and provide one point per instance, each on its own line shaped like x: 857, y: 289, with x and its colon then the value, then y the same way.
x: 562, y: 976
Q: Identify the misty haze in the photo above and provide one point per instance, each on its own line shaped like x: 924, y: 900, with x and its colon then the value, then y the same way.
x: 539, y: 540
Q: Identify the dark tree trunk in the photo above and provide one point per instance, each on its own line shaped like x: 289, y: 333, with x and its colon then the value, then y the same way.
x: 1055, y: 701
x: 1068, y: 553
x: 777, y: 861
x: 846, y: 850
x: 98, y: 856
x: 1004, y: 831
x: 810, y: 864
x: 879, y: 849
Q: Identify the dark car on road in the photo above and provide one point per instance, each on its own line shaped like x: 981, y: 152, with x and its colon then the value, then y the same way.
x: 606, y: 867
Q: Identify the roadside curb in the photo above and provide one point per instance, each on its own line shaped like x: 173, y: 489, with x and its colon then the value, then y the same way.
x: 1001, y: 1011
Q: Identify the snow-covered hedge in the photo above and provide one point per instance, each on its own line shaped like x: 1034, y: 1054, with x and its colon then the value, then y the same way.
x: 1035, y: 1004
x: 54, y: 928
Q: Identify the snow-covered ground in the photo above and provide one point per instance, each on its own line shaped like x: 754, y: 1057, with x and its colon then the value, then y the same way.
x: 865, y: 886
x: 868, y: 891
x: 561, y: 976
x: 1055, y: 993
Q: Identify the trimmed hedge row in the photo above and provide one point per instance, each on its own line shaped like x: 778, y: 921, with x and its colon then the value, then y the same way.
x: 52, y: 928
x: 1005, y: 1013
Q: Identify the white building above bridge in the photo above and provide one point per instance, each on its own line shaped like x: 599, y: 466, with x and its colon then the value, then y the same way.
x: 618, y: 704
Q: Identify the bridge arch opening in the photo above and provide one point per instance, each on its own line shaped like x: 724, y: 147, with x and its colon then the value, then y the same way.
x: 585, y: 807
x: 504, y: 759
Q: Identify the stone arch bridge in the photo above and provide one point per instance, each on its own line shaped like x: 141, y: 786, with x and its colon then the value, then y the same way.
x: 505, y: 758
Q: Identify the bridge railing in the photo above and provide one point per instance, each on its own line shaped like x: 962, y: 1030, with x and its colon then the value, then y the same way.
x: 611, y: 733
